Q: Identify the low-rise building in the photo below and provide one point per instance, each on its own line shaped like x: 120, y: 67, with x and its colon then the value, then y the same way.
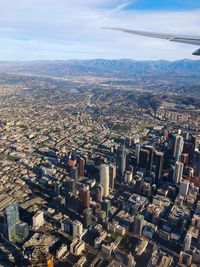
x: 77, y: 247
x: 38, y: 220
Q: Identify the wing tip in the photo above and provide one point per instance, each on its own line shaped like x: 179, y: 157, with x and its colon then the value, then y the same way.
x: 196, y: 53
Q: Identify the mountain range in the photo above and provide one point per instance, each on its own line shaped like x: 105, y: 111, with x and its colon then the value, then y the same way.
x: 102, y: 67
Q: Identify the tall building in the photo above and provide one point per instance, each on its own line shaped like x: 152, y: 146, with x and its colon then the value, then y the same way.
x: 57, y: 187
x: 104, y: 179
x: 112, y: 174
x: 184, y: 158
x: 77, y: 229
x: 73, y: 186
x: 11, y: 218
x: 121, y: 160
x: 138, y: 224
x: 87, y: 217
x: 130, y: 168
x: 72, y: 163
x: 128, y: 177
x: 74, y: 172
x: 144, y: 158
x: 99, y: 192
x: 159, y: 159
x: 82, y: 167
x: 137, y: 153
x: 184, y: 187
x: 196, y: 163
x: 188, y: 148
x: 107, y: 206
x: 138, y: 185
x: 178, y: 172
x: 151, y: 157
x: 187, y: 242
x: 178, y: 147
x: 84, y: 197
x: 73, y: 155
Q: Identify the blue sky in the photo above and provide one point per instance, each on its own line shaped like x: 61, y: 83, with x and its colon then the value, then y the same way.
x: 63, y: 29
x: 173, y: 5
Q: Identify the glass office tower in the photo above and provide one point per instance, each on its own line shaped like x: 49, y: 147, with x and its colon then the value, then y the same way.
x: 11, y: 217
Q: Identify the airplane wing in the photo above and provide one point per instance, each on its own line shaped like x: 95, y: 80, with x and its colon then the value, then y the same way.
x: 187, y: 39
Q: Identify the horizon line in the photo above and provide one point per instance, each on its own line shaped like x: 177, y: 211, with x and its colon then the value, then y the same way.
x: 93, y: 59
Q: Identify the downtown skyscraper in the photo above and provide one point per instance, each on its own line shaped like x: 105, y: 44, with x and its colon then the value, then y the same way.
x: 11, y: 218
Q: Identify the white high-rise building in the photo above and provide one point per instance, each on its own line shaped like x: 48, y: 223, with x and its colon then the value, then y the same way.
x: 187, y: 242
x: 178, y: 147
x: 104, y: 179
x: 77, y: 229
x: 178, y: 172
x: 184, y: 187
x: 128, y: 177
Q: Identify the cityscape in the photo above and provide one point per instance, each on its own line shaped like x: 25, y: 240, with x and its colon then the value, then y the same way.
x: 98, y: 171
x: 99, y: 133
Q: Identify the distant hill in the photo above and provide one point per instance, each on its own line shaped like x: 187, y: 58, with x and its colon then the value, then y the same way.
x: 101, y: 67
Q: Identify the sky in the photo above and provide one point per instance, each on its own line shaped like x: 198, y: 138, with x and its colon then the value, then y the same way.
x: 71, y: 29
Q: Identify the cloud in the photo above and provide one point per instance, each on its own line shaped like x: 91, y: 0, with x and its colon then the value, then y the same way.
x: 117, y: 9
x: 63, y: 29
